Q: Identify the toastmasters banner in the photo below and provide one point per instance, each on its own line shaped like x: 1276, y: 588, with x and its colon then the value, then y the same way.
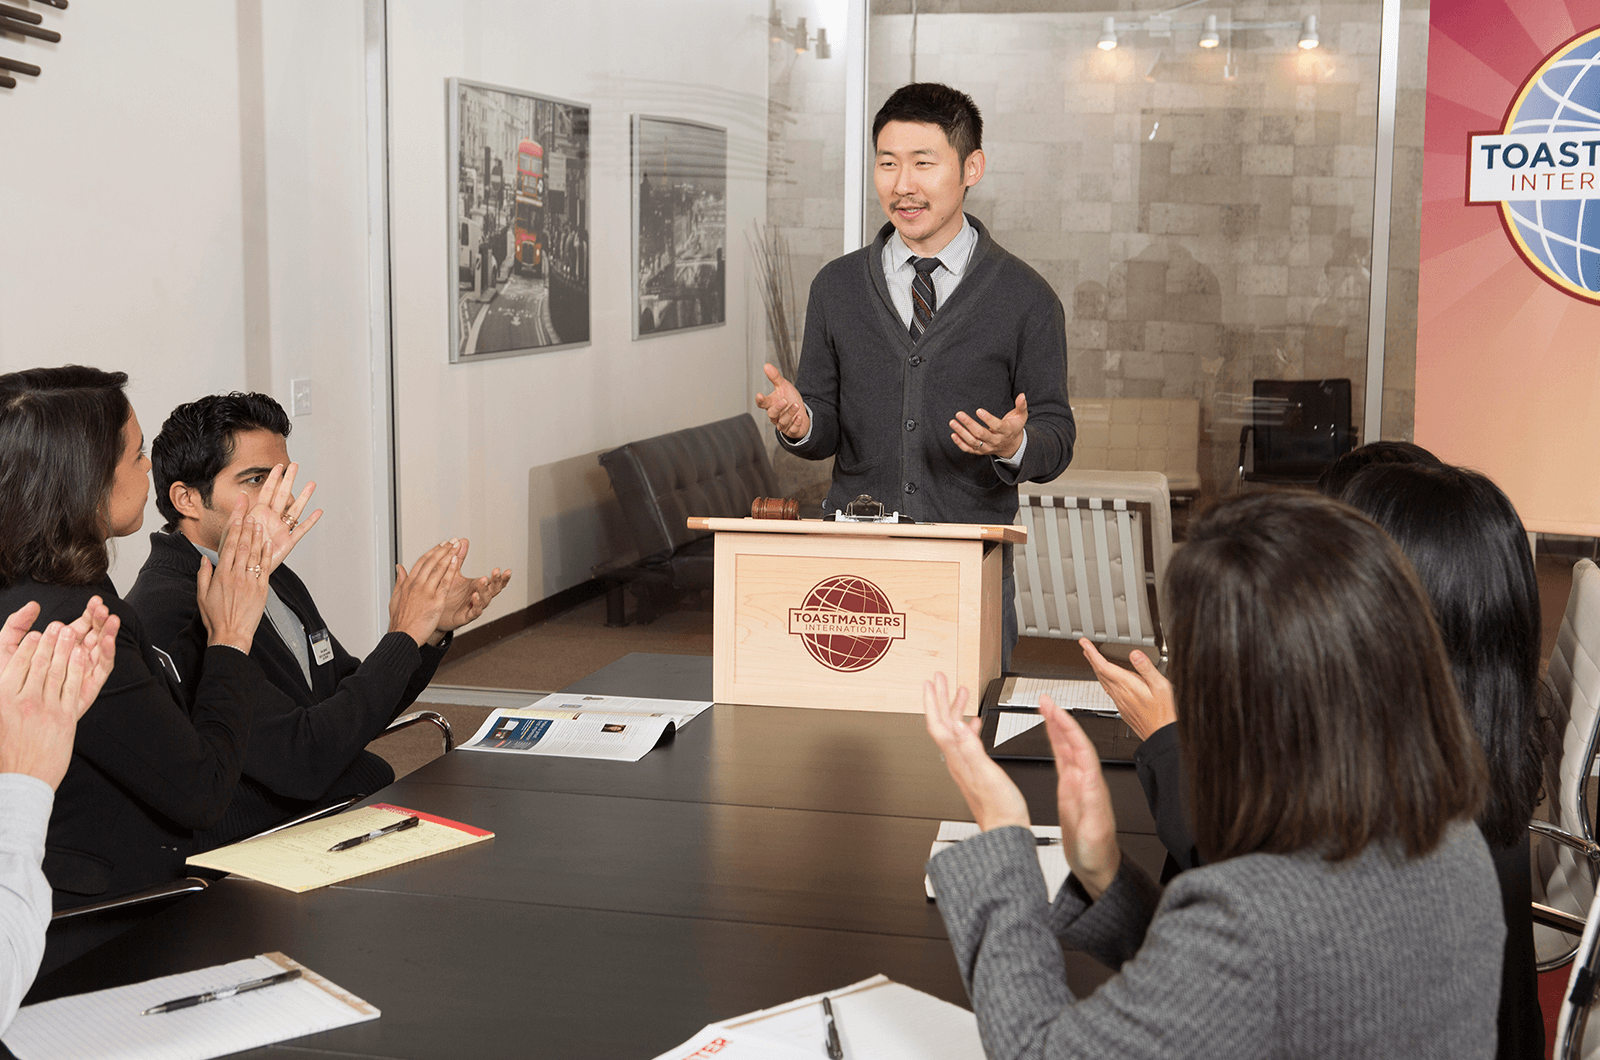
x: 1508, y: 311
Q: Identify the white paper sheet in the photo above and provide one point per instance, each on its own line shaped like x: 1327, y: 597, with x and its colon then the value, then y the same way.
x: 716, y: 1042
x: 1067, y: 694
x: 1013, y: 723
x: 107, y: 1025
x: 877, y: 1019
x: 1052, y: 859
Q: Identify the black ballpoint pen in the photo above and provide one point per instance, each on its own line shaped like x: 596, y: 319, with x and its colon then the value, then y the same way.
x: 217, y: 995
x: 398, y: 826
x: 835, y: 1050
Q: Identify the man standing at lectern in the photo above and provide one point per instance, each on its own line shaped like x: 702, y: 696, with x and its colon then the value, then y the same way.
x: 934, y: 365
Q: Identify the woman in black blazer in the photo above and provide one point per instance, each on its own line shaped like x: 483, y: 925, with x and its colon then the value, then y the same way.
x: 153, y: 760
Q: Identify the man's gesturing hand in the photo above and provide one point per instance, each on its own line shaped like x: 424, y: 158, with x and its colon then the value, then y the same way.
x: 784, y: 408
x: 990, y: 435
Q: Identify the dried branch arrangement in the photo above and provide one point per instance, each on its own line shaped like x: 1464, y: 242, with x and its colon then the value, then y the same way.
x: 771, y: 253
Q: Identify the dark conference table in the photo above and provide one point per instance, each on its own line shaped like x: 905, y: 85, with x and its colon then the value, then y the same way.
x: 763, y: 854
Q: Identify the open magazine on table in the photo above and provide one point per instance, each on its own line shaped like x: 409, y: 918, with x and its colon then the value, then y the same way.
x: 578, y: 725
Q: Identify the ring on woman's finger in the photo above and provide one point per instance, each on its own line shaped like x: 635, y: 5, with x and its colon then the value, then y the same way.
x: 256, y: 570
x: 290, y: 521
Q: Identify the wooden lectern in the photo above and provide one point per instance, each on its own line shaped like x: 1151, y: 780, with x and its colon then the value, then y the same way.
x: 854, y: 615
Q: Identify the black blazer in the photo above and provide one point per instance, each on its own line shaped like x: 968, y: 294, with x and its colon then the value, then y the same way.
x: 153, y: 760
x: 304, y: 736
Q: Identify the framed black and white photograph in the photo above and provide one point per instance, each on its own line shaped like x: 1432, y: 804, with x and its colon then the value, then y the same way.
x: 680, y: 225
x: 519, y: 221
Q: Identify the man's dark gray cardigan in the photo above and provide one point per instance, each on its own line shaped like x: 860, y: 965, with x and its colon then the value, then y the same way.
x: 881, y: 404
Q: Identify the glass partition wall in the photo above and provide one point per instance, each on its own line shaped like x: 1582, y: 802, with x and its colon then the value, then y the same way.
x: 1195, y: 182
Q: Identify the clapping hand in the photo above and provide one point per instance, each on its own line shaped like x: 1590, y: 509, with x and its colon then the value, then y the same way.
x: 993, y: 798
x: 466, y: 598
x: 47, y: 681
x: 233, y: 594
x: 280, y: 513
x: 1088, y: 824
x: 417, y: 605
x: 1143, y: 698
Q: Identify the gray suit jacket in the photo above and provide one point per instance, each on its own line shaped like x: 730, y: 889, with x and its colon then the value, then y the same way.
x: 1259, y: 956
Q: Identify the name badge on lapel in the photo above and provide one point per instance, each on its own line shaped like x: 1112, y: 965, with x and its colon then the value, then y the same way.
x: 322, y: 647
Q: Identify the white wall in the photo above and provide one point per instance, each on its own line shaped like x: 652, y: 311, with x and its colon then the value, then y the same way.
x: 469, y: 434
x: 183, y: 199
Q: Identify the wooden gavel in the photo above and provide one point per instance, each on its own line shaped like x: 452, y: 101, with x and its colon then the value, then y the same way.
x: 774, y: 508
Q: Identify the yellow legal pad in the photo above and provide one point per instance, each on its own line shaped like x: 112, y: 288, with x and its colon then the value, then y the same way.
x: 297, y: 859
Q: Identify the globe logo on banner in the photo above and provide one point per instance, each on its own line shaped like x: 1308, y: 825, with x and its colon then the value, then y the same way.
x: 1543, y: 168
x: 847, y: 623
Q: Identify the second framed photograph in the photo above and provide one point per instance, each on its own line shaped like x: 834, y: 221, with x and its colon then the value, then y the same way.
x: 519, y: 274
x: 680, y: 225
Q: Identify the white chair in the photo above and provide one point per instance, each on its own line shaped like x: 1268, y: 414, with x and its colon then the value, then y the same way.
x: 1565, y: 869
x: 1140, y: 434
x: 1576, y: 1000
x: 1097, y: 552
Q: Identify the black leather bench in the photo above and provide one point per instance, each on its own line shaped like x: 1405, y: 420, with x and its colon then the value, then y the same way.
x: 715, y: 469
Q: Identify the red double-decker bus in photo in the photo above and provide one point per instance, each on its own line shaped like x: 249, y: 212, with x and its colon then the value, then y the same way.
x: 530, y: 205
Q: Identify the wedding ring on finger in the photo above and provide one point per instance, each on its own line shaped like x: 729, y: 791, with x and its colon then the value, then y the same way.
x: 255, y: 570
x: 290, y: 521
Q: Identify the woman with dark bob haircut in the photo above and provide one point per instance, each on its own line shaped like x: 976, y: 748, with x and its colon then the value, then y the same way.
x: 1348, y: 906
x: 152, y: 761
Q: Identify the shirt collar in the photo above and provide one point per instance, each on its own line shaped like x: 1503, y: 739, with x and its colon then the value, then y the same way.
x: 955, y: 255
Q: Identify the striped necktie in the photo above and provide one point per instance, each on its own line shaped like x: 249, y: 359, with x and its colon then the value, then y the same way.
x: 923, y: 299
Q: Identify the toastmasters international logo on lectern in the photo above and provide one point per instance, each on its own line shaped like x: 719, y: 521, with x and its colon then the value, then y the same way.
x: 847, y: 623
x: 1543, y: 168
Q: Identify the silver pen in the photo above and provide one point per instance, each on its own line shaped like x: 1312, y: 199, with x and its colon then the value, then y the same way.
x: 229, y: 991
x: 835, y: 1050
x: 398, y: 826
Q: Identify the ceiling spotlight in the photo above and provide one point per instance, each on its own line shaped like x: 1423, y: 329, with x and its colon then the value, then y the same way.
x: 1108, y: 34
x: 823, y: 51
x: 1308, y: 33
x: 1210, y: 39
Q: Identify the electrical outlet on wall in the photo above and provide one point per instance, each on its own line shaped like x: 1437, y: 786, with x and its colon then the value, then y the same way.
x: 300, y: 399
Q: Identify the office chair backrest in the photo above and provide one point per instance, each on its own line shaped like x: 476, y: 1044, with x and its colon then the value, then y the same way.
x: 1097, y: 551
x: 1568, y: 876
x: 1299, y: 427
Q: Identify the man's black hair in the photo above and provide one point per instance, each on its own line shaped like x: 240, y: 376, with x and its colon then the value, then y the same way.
x: 196, y: 443
x: 934, y: 104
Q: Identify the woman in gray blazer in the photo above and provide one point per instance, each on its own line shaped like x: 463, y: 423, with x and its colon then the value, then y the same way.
x: 1348, y: 905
